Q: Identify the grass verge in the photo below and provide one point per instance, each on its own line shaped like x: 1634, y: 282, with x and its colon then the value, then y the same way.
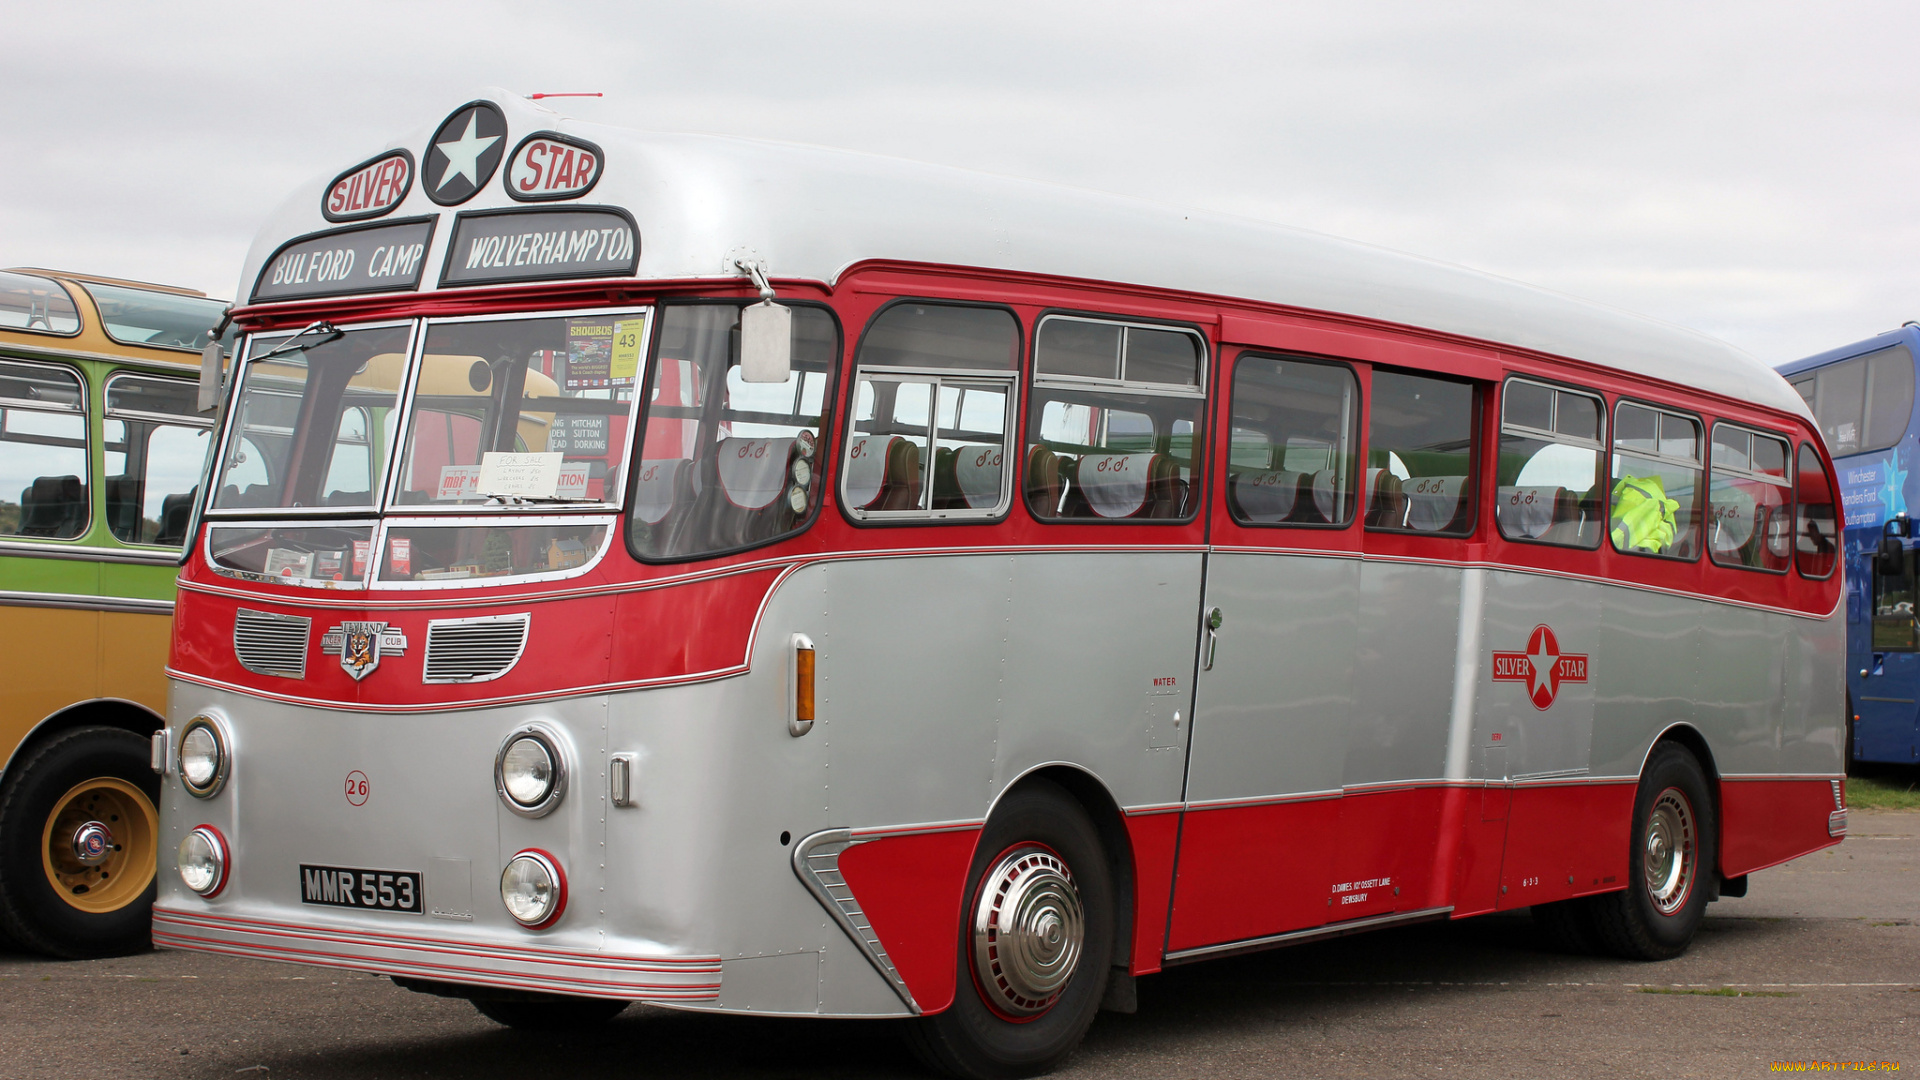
x: 1886, y: 792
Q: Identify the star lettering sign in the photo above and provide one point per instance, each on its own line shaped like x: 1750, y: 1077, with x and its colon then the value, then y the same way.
x: 464, y: 153
x: 1543, y: 667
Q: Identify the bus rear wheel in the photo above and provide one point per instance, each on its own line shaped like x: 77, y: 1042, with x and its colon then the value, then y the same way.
x: 1036, y: 943
x: 1672, y: 853
x: 78, y: 835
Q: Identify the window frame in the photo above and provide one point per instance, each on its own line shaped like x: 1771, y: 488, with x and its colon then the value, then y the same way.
x: 637, y: 442
x: 1833, y: 492
x: 1790, y: 486
x: 1356, y: 448
x: 89, y: 420
x: 203, y: 421
x: 1699, y: 465
x: 1011, y: 375
x: 1602, y: 449
x: 393, y: 481
x: 234, y: 404
x: 79, y: 319
x: 1201, y: 392
x: 1477, y: 388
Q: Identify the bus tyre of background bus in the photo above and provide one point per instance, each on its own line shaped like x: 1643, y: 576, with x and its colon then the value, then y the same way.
x: 747, y: 578
x: 100, y: 452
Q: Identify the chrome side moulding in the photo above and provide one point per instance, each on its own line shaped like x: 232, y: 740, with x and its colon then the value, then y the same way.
x: 816, y: 862
x: 1301, y: 937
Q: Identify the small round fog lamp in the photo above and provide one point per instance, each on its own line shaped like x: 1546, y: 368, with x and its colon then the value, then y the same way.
x: 530, y: 773
x: 203, y: 861
x: 534, y: 889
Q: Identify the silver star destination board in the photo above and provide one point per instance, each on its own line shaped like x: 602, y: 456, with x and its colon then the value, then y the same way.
x: 492, y: 246
x: 362, y: 259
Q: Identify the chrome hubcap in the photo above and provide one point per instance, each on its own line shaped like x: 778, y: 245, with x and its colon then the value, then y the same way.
x: 92, y: 843
x: 1028, y: 929
x: 1670, y: 851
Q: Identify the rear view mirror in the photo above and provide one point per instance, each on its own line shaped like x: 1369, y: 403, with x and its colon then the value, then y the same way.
x: 1890, y: 560
x: 766, y: 343
x: 210, y: 376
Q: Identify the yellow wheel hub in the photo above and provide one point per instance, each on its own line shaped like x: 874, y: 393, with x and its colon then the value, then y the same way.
x: 99, y: 844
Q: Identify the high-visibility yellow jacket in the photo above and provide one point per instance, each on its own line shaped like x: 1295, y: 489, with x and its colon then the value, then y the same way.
x: 1643, y: 515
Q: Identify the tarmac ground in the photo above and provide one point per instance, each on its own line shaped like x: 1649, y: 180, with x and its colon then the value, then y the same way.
x: 1820, y: 962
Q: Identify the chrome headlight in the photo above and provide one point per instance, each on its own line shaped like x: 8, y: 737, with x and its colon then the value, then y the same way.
x: 530, y: 772
x: 534, y: 889
x: 204, y: 759
x: 203, y: 861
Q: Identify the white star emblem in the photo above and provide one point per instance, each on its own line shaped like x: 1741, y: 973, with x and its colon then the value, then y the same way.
x: 463, y: 156
x: 1542, y: 663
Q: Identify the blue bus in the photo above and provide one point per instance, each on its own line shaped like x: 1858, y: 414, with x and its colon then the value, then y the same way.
x: 1862, y: 395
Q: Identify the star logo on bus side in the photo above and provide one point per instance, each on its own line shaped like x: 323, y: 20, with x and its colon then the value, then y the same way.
x: 465, y: 152
x: 1543, y: 667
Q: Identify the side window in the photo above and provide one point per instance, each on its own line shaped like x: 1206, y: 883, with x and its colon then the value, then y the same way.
x: 726, y: 464
x: 1295, y: 423
x: 1749, y: 501
x: 1114, y: 428
x: 1656, y: 482
x: 1816, y: 541
x: 156, y: 446
x: 932, y: 414
x: 1863, y: 403
x: 1895, y: 628
x: 31, y: 302
x: 1551, y: 448
x: 1420, y: 455
x: 43, y: 452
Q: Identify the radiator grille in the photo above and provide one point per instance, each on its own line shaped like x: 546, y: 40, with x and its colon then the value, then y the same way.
x: 269, y: 643
x: 474, y: 650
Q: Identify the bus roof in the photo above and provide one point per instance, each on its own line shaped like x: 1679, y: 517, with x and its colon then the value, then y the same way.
x: 700, y: 201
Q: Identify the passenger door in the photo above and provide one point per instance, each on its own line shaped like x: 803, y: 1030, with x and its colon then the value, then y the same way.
x: 1276, y: 669
x: 1885, y: 677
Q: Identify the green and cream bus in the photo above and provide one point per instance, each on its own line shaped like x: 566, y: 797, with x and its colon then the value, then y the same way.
x: 101, y: 450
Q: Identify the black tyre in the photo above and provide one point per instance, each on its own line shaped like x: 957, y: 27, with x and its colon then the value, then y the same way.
x: 1568, y: 926
x: 78, y: 833
x: 549, y: 1014
x: 1669, y: 863
x: 1036, y: 943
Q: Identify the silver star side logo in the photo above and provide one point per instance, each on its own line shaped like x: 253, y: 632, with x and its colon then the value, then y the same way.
x: 360, y: 645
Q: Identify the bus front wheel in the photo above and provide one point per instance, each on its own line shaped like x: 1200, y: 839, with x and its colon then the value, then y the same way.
x: 78, y: 835
x: 1670, y: 860
x: 1036, y: 943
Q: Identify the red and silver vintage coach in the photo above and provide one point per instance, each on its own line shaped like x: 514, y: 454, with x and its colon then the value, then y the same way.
x: 754, y: 578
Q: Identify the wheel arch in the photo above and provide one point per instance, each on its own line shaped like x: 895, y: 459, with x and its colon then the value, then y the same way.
x: 1091, y: 793
x: 1689, y: 737
x: 96, y: 712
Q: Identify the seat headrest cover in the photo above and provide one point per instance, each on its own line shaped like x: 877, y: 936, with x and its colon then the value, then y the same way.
x: 1323, y: 482
x: 977, y: 469
x: 654, y: 488
x: 1432, y: 500
x: 1528, y: 511
x: 1115, y: 484
x: 1266, y: 496
x: 867, y: 469
x: 753, y: 471
x: 1732, y: 509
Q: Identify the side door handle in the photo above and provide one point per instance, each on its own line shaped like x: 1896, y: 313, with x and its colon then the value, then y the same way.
x: 1213, y: 638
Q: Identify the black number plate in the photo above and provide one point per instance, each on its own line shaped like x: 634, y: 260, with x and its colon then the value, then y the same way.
x: 342, y: 886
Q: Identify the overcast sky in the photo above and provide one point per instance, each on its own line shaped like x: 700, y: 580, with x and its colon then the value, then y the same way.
x: 1748, y: 169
